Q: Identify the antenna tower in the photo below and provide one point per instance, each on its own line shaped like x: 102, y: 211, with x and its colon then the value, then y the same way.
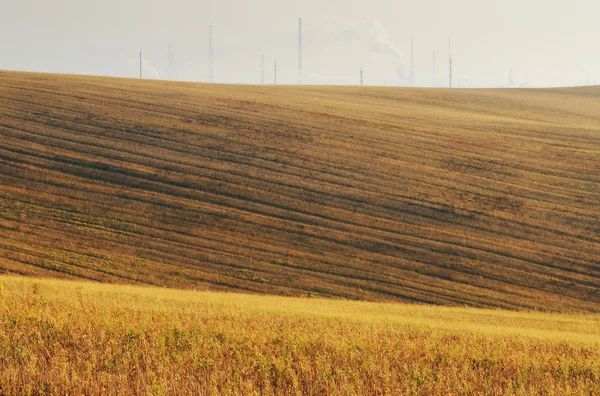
x: 171, y: 72
x: 434, y: 67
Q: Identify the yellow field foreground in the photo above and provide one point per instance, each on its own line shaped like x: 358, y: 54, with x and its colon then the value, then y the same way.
x: 60, y: 337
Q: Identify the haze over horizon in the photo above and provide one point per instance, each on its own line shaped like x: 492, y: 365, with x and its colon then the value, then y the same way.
x: 546, y: 43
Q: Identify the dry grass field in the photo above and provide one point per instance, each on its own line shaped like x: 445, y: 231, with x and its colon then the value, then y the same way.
x: 483, y: 198
x: 65, y: 337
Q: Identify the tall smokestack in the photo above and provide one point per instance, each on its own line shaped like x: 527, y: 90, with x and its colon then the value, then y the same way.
x: 412, y: 61
x: 300, y: 51
x: 211, y: 68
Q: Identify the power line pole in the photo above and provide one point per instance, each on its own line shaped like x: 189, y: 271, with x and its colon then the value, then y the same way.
x: 262, y: 69
x: 450, y: 53
x: 211, y: 52
x: 361, y: 76
x: 140, y: 64
x: 434, y: 67
x: 275, y: 81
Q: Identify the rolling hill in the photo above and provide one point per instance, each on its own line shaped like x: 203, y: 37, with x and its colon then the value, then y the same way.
x: 485, y: 198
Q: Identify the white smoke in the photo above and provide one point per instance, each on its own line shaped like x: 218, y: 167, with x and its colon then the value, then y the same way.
x: 379, y: 40
x: 148, y: 70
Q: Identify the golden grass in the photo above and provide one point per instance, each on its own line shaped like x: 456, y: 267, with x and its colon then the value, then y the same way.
x: 486, y: 198
x: 61, y: 337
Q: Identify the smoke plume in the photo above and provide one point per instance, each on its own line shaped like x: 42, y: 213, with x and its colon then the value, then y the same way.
x: 379, y: 41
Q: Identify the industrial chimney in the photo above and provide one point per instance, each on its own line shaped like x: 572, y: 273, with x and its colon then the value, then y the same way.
x: 450, y: 59
x: 434, y: 70
x: 262, y: 69
x: 211, y: 53
x: 300, y: 51
x: 412, y: 61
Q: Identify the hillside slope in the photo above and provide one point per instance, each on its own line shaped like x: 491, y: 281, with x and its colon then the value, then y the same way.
x: 480, y: 197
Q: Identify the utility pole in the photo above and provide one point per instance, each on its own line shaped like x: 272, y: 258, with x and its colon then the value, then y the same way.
x: 262, y: 69
x: 140, y: 64
x: 450, y: 53
x: 434, y: 67
x: 361, y: 76
x: 275, y: 73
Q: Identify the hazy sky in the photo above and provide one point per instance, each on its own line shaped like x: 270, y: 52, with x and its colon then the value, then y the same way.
x: 546, y: 42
